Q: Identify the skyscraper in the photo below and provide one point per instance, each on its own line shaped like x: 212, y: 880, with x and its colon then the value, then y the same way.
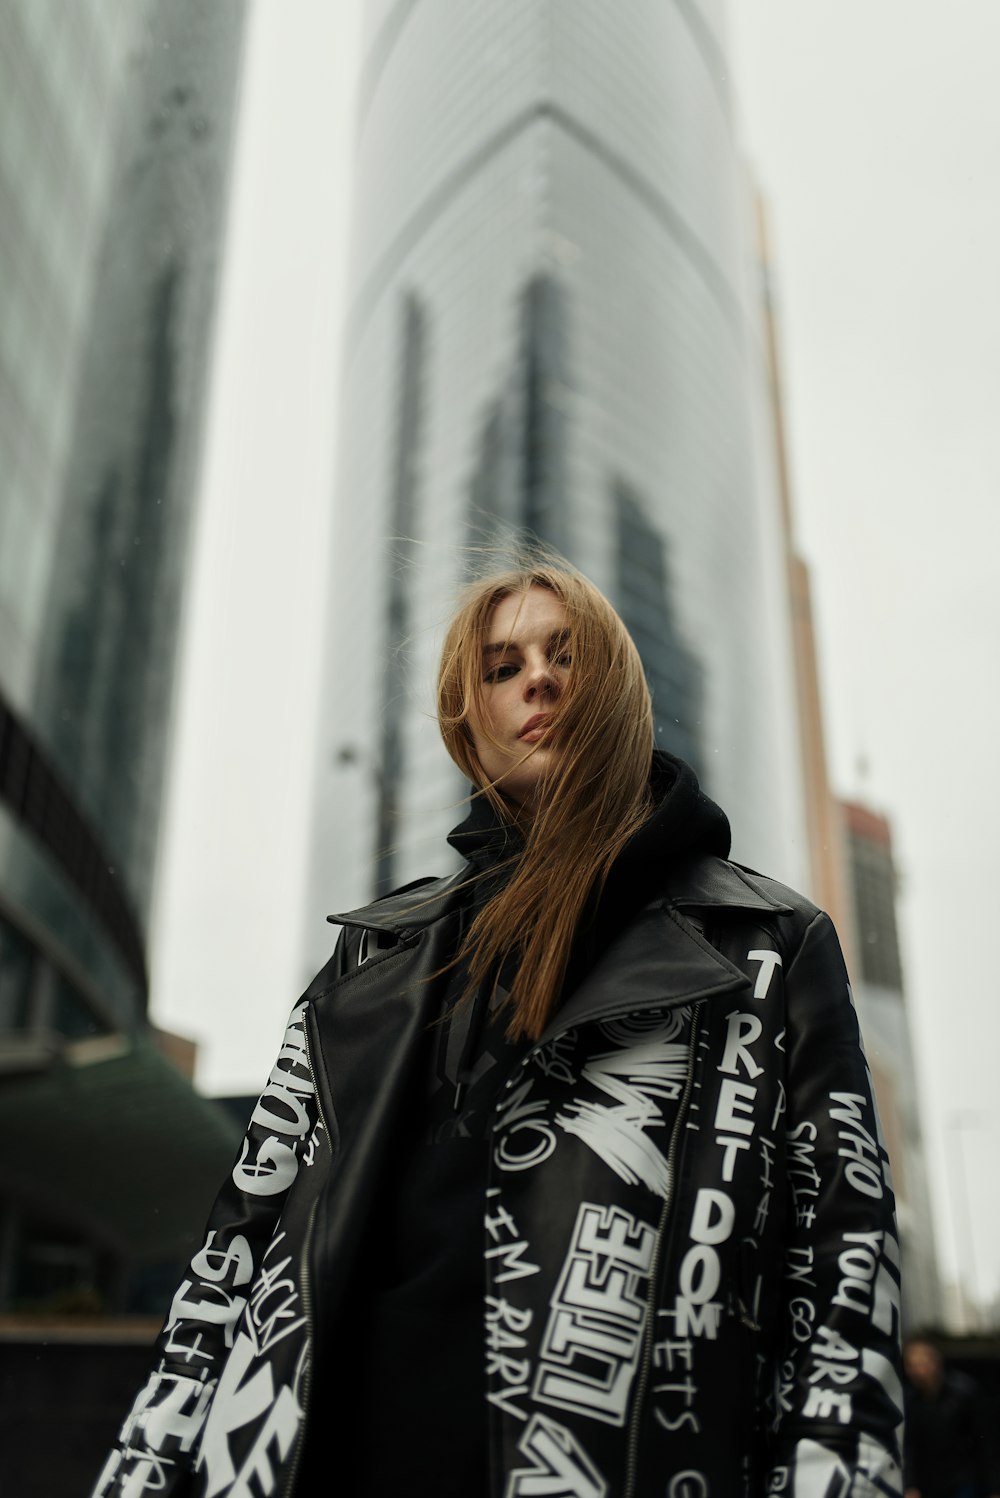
x: 115, y: 134
x: 103, y: 695
x: 827, y: 872
x: 61, y: 78
x: 553, y: 328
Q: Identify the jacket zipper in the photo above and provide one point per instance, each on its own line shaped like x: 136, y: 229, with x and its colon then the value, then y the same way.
x: 293, y: 1470
x: 645, y: 1359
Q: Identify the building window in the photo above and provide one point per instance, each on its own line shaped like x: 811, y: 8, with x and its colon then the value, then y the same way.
x: 17, y: 971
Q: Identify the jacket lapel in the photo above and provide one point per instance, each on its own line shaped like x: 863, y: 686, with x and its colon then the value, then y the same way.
x: 412, y: 908
x: 715, y: 883
x: 660, y: 961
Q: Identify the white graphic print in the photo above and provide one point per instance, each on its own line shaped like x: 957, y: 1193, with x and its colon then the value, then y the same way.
x: 673, y: 1361
x: 734, y: 1112
x: 555, y: 1059
x: 768, y: 962
x: 522, y: 1139
x: 208, y: 1301
x: 886, y: 1310
x: 593, y: 1338
x: 696, y: 1313
x: 803, y: 1177
x: 310, y: 1153
x: 878, y: 1471
x: 506, y: 1243
x: 820, y: 1473
x: 767, y: 1147
x: 816, y: 1473
x: 274, y: 1303
x: 506, y: 1343
x: 858, y: 1145
x: 689, y: 1484
x: 878, y: 1367
x: 834, y: 1369
x: 858, y: 1263
x: 164, y: 1424
x: 281, y: 1109
x: 176, y: 1414
x: 648, y: 1024
x: 799, y: 1265
x: 634, y: 1075
x: 560, y: 1468
x: 245, y: 1395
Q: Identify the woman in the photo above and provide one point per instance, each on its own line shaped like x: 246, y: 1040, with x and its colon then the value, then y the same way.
x: 568, y: 1177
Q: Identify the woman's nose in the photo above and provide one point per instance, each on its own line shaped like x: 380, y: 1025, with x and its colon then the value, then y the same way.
x: 540, y: 680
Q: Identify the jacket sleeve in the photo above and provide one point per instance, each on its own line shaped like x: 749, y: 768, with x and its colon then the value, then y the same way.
x: 837, y: 1382
x: 158, y: 1443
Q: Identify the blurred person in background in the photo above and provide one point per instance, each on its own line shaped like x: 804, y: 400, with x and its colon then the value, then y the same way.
x: 568, y: 1178
x: 950, y: 1449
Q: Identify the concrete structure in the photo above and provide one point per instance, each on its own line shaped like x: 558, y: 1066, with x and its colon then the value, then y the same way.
x: 554, y: 328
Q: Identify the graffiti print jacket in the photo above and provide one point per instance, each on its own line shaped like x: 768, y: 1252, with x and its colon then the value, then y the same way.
x: 692, y: 1273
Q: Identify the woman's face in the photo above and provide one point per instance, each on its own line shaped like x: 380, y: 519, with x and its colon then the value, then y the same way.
x: 525, y: 664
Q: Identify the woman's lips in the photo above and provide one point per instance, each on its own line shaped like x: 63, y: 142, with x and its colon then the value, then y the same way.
x: 534, y: 728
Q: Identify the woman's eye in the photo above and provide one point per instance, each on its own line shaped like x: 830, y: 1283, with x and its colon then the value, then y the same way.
x: 500, y: 673
x: 564, y: 659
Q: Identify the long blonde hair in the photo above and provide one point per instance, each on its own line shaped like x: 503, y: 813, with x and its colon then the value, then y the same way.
x: 592, y: 800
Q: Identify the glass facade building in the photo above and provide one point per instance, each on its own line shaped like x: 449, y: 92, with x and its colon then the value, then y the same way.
x: 553, y: 327
x: 115, y: 139
x: 62, y: 70
x: 103, y: 696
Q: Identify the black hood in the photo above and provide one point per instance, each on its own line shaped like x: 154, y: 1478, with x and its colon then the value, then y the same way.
x: 482, y: 838
x: 684, y: 824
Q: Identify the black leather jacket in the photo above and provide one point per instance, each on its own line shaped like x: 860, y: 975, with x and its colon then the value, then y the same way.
x: 692, y: 1273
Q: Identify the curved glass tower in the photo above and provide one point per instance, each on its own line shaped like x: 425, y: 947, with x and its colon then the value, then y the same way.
x: 553, y: 327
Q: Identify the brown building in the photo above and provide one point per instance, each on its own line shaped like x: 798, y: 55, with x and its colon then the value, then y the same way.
x: 853, y: 878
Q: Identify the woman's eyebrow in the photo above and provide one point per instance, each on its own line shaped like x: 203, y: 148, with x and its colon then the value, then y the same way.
x: 556, y: 638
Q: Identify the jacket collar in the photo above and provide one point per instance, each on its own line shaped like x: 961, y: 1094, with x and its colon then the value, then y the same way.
x: 411, y: 908
x: 702, y: 884
x: 715, y: 883
x: 661, y: 959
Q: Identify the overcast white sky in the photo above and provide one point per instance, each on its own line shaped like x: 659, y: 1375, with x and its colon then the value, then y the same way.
x: 874, y: 129
x: 875, y: 132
